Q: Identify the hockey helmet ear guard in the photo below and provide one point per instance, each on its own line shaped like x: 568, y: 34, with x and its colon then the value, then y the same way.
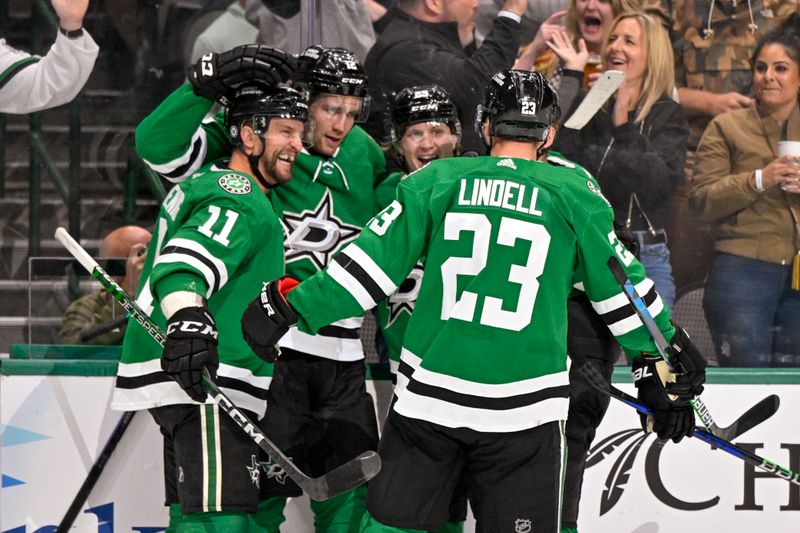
x: 520, y: 106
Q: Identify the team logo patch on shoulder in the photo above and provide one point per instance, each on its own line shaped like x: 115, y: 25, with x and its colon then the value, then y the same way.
x: 235, y: 184
x: 507, y: 163
x: 590, y: 184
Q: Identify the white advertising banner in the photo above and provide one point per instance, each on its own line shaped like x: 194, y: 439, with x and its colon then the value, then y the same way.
x: 53, y: 428
x: 635, y: 485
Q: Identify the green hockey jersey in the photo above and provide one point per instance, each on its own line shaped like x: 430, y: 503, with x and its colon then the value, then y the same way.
x: 504, y: 240
x: 322, y: 208
x: 216, y: 235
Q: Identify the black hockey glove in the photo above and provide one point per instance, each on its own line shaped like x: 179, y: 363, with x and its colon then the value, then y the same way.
x: 689, y: 364
x: 673, y: 417
x: 191, y: 346
x: 216, y: 76
x: 268, y: 317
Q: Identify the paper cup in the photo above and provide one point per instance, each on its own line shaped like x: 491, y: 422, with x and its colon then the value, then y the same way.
x: 790, y: 148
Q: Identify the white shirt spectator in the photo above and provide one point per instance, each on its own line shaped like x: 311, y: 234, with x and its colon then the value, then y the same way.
x: 29, y: 83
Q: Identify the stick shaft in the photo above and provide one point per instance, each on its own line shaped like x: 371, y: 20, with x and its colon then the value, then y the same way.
x: 716, y: 442
x: 658, y: 338
x: 95, y: 472
x: 119, y: 294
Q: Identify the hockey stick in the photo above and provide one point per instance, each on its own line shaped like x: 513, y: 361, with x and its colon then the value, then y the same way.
x: 95, y: 472
x: 596, y: 380
x: 661, y: 343
x: 604, y: 87
x: 341, y: 479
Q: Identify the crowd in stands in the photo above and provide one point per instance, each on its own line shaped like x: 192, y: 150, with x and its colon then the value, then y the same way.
x: 692, y: 150
x: 685, y: 150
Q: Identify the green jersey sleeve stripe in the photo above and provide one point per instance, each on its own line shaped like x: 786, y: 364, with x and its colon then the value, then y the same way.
x: 349, y: 283
x: 372, y: 269
x: 195, y: 255
x: 624, y: 319
x: 15, y: 69
x: 188, y: 162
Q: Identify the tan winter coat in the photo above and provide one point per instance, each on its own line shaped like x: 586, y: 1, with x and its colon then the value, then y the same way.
x: 750, y: 224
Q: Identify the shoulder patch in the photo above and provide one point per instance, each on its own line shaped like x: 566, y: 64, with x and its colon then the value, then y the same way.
x: 235, y: 184
x: 590, y: 184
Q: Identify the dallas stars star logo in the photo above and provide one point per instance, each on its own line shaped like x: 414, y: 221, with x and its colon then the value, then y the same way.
x: 403, y: 300
x: 255, y: 471
x: 274, y: 471
x: 316, y: 234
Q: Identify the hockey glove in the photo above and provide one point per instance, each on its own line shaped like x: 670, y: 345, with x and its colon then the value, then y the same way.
x: 689, y: 363
x: 673, y: 417
x: 191, y: 346
x: 217, y: 76
x: 268, y: 318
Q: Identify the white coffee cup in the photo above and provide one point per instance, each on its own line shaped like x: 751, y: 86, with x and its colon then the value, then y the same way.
x: 790, y: 148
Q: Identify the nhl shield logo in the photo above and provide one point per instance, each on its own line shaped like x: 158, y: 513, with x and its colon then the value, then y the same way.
x: 235, y: 184
x: 522, y: 525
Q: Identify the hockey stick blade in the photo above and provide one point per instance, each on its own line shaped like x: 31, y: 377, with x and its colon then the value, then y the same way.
x: 344, y: 478
x: 341, y: 479
x: 754, y: 416
x: 751, y: 418
x: 596, y: 380
x: 603, y: 88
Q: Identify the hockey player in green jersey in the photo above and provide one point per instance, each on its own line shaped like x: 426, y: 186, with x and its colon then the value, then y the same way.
x: 319, y: 411
x: 215, y: 239
x: 424, y: 127
x: 483, y: 386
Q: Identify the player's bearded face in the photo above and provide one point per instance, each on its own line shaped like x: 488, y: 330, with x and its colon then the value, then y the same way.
x: 422, y: 143
x: 333, y: 117
x: 282, y: 143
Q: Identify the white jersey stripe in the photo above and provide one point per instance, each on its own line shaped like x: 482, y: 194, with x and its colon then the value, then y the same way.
x: 494, y: 390
x: 488, y: 420
x: 322, y: 346
x: 629, y: 324
x: 370, y: 267
x: 186, y: 158
x: 169, y: 393
x: 201, y: 250
x: 131, y: 370
x: 620, y: 300
x: 206, y: 272
x: 351, y: 285
x: 463, y: 386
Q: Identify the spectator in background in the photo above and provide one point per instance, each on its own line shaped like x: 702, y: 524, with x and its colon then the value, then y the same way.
x: 228, y: 30
x: 636, y: 145
x: 538, y: 11
x: 340, y: 24
x: 97, y: 318
x: 29, y: 83
x: 584, y: 20
x: 431, y: 42
x: 752, y: 309
x: 713, y: 42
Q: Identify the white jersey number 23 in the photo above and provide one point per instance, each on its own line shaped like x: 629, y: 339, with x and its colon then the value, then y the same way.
x: 526, y: 276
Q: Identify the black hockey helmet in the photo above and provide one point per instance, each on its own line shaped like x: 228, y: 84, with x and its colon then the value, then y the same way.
x: 519, y: 105
x: 331, y: 71
x: 258, y: 103
x: 422, y: 103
